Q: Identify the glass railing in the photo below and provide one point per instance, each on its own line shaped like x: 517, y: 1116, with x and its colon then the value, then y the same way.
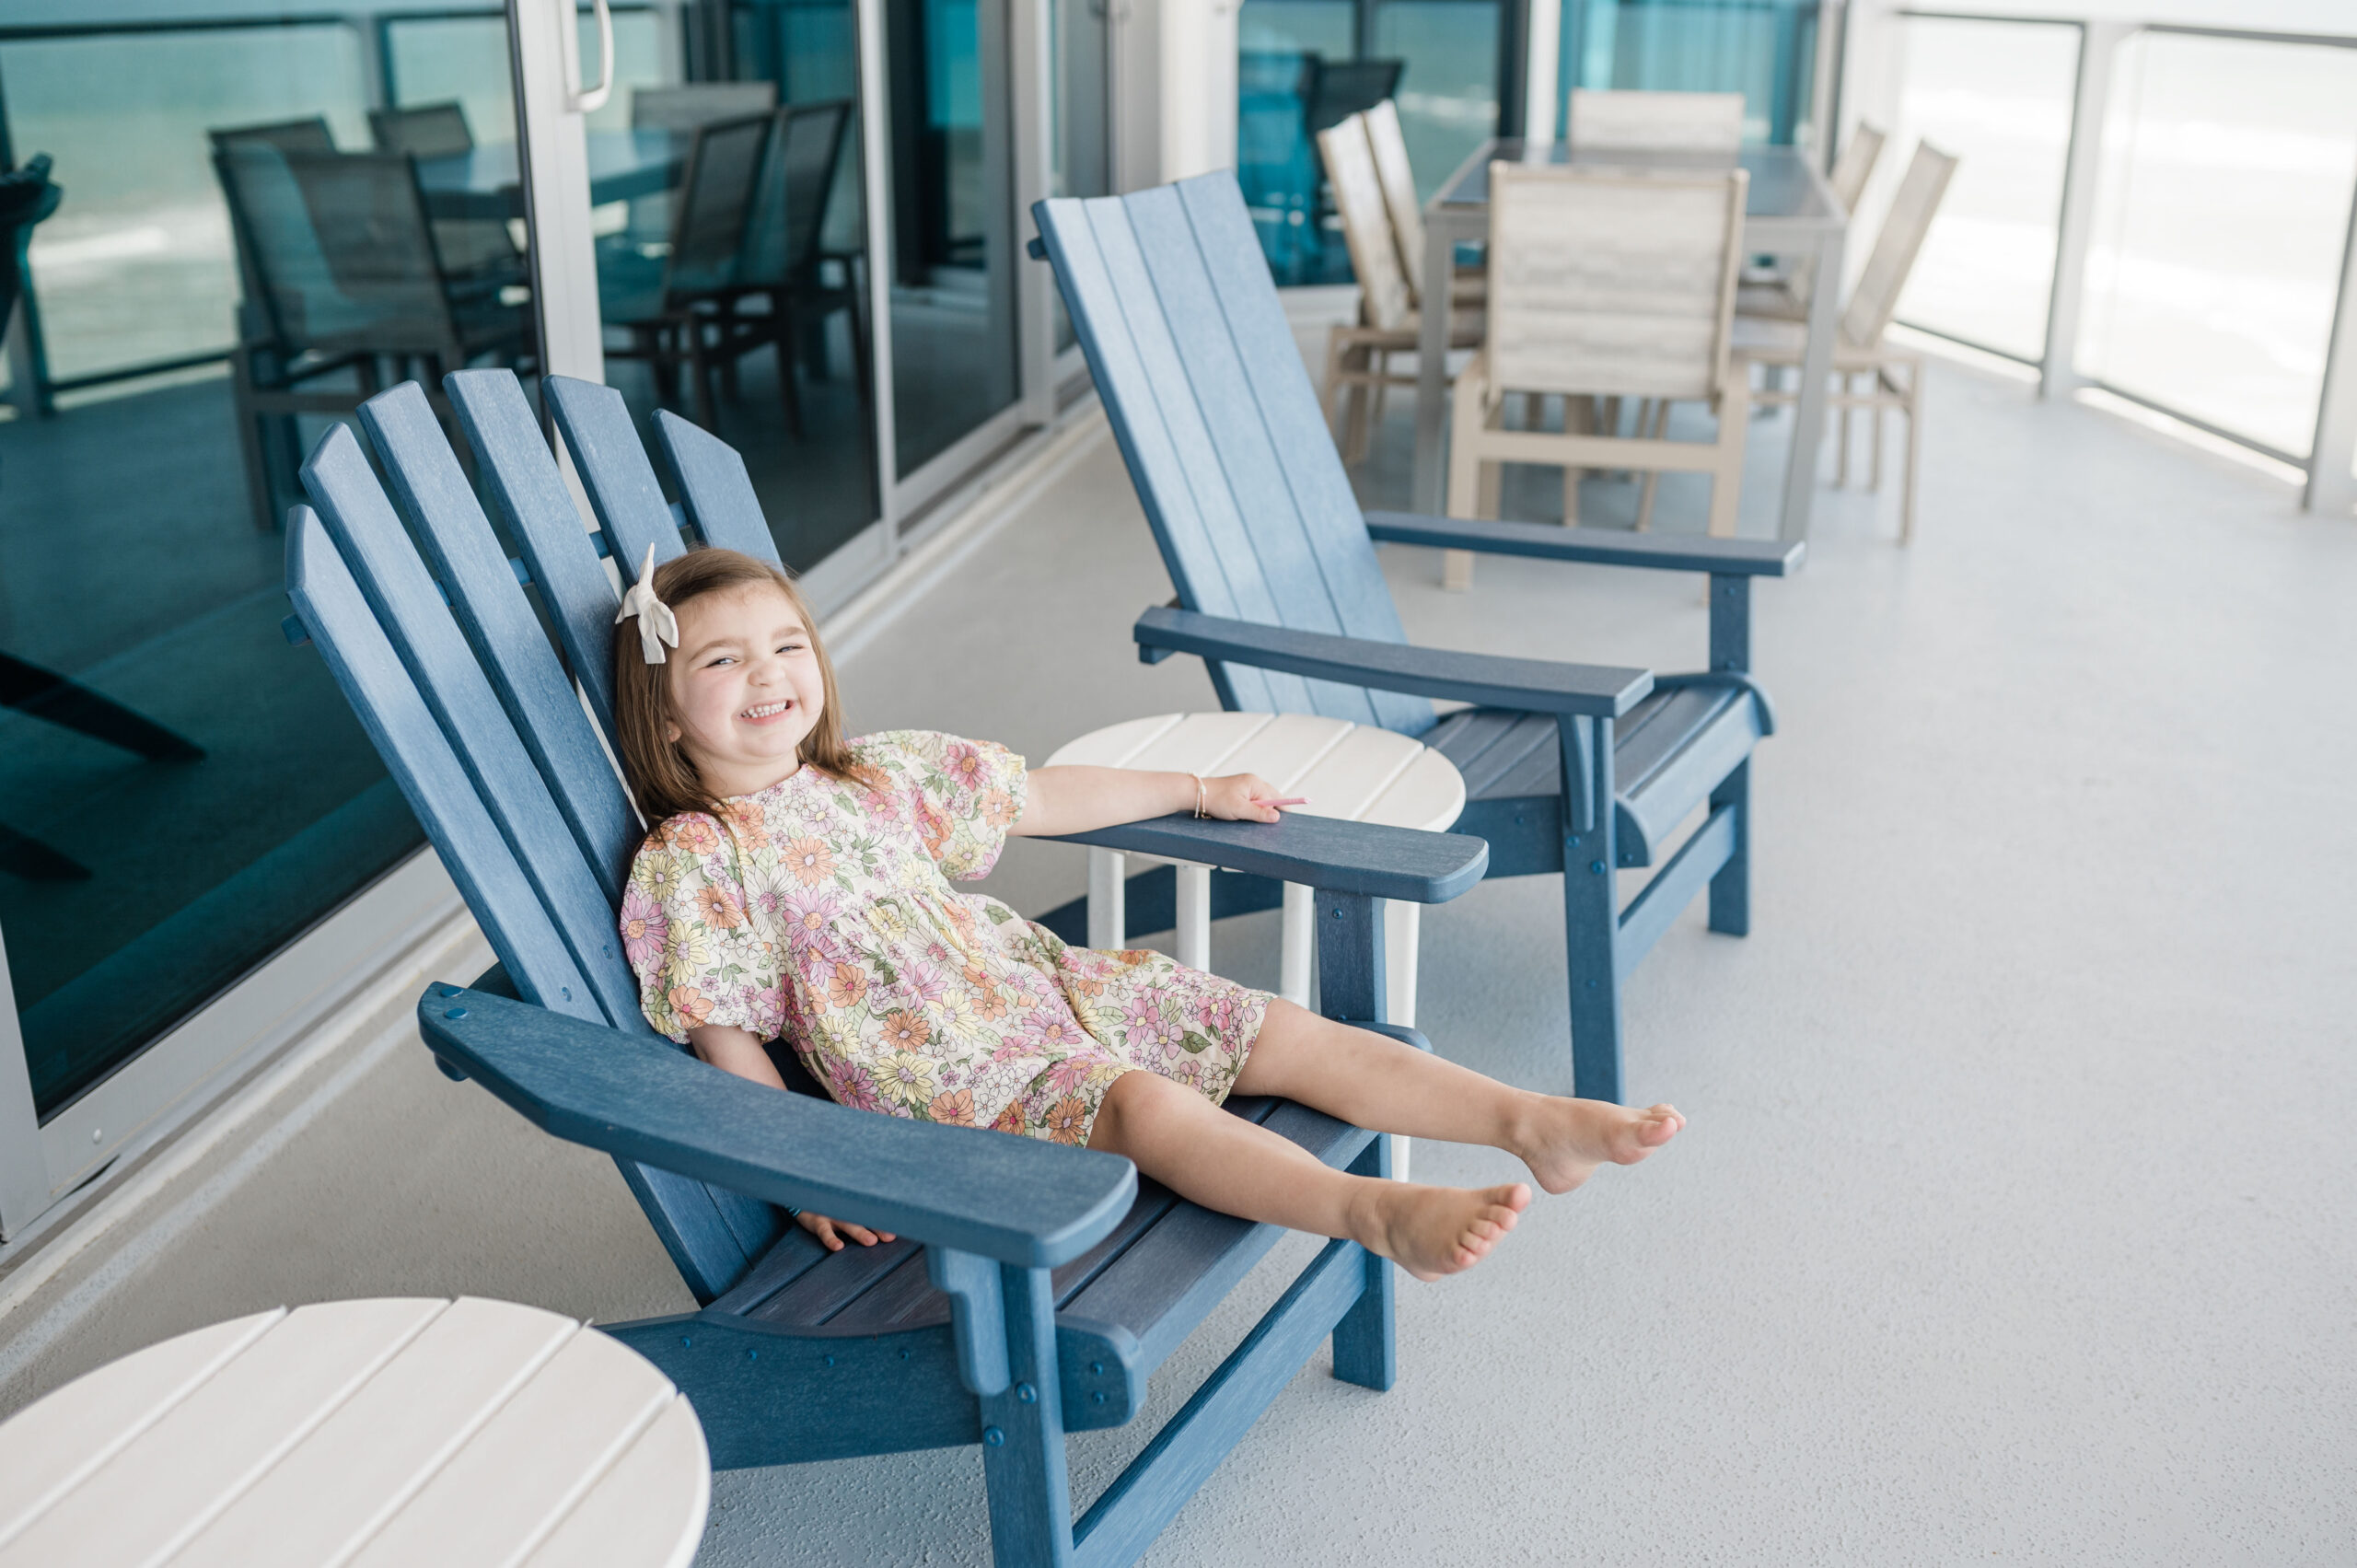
x: 2221, y: 215
x: 1998, y: 97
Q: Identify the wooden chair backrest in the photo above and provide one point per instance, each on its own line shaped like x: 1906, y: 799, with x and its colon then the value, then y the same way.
x: 1698, y: 122
x: 1612, y: 282
x: 1398, y: 177
x: 1175, y: 308
x: 1871, y: 303
x: 440, y: 651
x: 1366, y: 225
x: 1856, y: 164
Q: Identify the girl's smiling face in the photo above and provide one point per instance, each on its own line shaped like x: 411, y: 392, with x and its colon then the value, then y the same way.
x: 745, y: 688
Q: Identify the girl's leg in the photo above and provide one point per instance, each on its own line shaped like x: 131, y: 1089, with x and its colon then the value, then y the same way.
x: 1376, y: 1082
x: 1227, y: 1163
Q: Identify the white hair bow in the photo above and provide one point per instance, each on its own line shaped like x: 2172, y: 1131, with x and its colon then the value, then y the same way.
x: 656, y: 624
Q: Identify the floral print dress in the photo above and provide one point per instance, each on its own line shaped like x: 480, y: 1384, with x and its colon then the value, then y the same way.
x: 820, y: 910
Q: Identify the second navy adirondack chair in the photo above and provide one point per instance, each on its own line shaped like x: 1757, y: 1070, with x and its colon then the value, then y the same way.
x: 1576, y: 769
x: 1034, y: 1287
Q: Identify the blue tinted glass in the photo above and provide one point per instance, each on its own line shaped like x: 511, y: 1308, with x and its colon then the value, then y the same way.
x: 1766, y: 50
x: 182, y: 792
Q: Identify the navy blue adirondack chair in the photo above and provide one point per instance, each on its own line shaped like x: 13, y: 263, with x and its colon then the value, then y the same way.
x: 1568, y: 767
x: 1034, y: 1287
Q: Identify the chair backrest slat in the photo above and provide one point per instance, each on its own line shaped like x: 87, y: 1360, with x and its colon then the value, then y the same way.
x: 1606, y: 282
x: 712, y: 1236
x: 1216, y: 419
x: 576, y: 589
x: 1389, y: 145
x: 714, y: 490
x: 1367, y: 224
x: 506, y: 637
x: 370, y: 538
x: 1856, y: 164
x: 1904, y: 227
x: 622, y: 485
x: 1700, y: 122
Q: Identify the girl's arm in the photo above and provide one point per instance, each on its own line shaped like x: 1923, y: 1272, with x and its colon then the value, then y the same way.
x: 737, y: 1050
x: 1075, y: 799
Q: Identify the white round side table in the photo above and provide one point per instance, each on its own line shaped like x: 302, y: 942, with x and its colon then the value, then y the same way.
x: 1354, y: 772
x: 361, y: 1433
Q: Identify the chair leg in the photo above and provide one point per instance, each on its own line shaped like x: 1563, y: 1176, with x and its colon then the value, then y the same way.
x: 250, y: 440
x: 1726, y: 478
x: 1874, y: 458
x: 1023, y: 1470
x: 1332, y: 390
x: 1914, y: 413
x: 1652, y: 476
x: 1467, y: 417
x: 1842, y: 446
x: 1731, y: 885
x: 1365, y: 1351
x: 1591, y: 910
x: 1382, y: 369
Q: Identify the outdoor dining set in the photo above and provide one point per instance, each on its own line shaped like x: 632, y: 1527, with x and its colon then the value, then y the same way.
x: 1623, y: 275
x: 358, y: 268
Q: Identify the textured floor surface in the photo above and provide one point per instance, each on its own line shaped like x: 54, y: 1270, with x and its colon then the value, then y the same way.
x: 2013, y: 1223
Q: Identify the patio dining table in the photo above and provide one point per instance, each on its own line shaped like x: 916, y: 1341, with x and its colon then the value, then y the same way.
x: 1789, y: 212
x: 483, y: 182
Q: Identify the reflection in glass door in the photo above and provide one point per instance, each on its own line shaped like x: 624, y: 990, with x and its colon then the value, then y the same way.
x: 181, y: 792
x: 952, y: 279
x: 1079, y: 142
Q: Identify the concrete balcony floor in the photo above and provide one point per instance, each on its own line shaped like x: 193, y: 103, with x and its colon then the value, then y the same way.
x: 2013, y: 1218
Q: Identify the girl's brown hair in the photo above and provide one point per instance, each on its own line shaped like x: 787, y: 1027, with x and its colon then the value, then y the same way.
x: 659, y: 774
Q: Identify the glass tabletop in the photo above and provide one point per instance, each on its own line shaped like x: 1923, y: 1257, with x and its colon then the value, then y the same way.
x: 1782, y: 183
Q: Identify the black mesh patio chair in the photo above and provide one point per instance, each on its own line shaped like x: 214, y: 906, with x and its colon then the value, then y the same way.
x: 785, y: 262
x: 477, y: 253
x: 673, y: 305
x: 338, y: 257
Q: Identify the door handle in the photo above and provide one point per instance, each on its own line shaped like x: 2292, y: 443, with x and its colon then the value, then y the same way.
x: 588, y: 100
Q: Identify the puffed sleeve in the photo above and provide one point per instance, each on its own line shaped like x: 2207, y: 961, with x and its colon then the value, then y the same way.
x: 687, y: 938
x: 965, y: 795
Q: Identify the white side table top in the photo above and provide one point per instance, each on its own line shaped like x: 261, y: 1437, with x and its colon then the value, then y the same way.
x: 1354, y: 772
x: 361, y: 1433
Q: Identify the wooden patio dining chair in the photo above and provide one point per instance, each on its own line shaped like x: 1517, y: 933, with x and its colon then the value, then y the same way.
x: 1569, y: 769
x: 1358, y: 355
x: 1388, y: 147
x: 1782, y: 294
x: 1034, y: 1287
x: 1893, y: 377
x: 1608, y: 120
x: 1603, y: 283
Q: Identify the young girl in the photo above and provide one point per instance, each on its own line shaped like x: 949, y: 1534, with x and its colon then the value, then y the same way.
x: 796, y: 886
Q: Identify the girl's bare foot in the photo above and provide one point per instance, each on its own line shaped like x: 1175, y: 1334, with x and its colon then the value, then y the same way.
x: 1563, y: 1140
x: 1432, y: 1231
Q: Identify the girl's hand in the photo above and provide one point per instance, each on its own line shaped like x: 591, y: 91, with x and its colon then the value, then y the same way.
x: 1243, y: 797
x: 830, y: 1233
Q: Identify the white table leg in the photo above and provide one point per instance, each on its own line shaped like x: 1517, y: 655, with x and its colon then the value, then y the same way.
x: 1401, y: 922
x: 1194, y: 932
x: 1108, y: 922
x: 1808, y: 407
x: 1294, y: 952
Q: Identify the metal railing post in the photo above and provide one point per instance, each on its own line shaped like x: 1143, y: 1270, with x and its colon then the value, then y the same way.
x: 2332, y: 487
x: 2090, y: 105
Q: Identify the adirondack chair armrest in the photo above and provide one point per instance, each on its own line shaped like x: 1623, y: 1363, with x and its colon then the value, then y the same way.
x: 1602, y: 547
x: 1317, y: 852
x: 1542, y: 686
x: 1018, y: 1200
x: 1725, y: 679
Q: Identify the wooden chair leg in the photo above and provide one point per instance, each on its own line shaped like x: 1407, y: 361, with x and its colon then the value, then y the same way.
x: 1023, y: 1433
x: 1331, y: 393
x: 1841, y: 424
x: 1726, y: 476
x: 1592, y: 916
x: 1652, y: 476
x: 1364, y: 1348
x: 1382, y: 367
x: 1914, y: 413
x: 1731, y: 884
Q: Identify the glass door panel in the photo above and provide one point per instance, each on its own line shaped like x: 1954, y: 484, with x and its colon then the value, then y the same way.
x: 181, y: 792
x: 1448, y: 94
x: 1766, y: 50
x: 2221, y: 221
x: 1079, y: 144
x: 952, y: 279
x: 1997, y: 94
x: 731, y: 259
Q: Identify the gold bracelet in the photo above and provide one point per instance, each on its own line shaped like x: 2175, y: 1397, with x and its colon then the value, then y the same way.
x: 1199, y: 794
